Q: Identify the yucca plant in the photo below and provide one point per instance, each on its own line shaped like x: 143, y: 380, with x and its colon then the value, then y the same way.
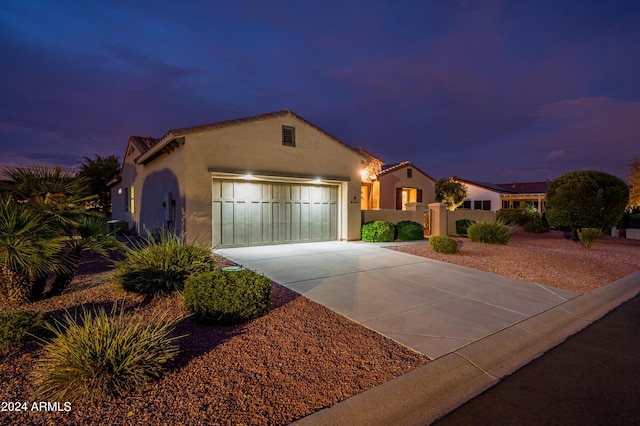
x: 99, y: 357
x: 161, y: 267
x: 588, y: 235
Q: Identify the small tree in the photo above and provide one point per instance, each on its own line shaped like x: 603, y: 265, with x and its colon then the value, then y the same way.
x: 586, y: 199
x: 450, y: 192
x: 98, y: 172
x: 634, y: 182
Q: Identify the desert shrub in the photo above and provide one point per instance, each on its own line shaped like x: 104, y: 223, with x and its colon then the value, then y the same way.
x: 443, y: 244
x: 227, y: 297
x: 378, y: 231
x: 510, y: 216
x: 489, y: 232
x: 588, y: 235
x: 160, y: 267
x: 536, y: 224
x: 20, y: 327
x: 409, y: 231
x: 462, y: 225
x: 100, y: 357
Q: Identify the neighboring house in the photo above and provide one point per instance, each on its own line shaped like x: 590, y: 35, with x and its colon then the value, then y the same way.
x: 268, y: 179
x: 395, y: 186
x: 490, y: 196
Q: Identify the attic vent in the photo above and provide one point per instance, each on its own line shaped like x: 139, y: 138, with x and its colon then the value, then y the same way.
x: 288, y: 136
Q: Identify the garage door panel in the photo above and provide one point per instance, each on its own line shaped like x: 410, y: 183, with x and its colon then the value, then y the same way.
x: 257, y: 213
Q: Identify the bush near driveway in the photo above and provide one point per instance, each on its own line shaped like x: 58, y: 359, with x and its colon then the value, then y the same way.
x: 100, y: 357
x: 378, y: 231
x: 409, y: 231
x: 155, y: 268
x: 443, y: 244
x: 227, y: 297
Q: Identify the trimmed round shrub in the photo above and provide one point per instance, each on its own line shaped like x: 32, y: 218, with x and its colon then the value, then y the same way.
x: 227, y: 297
x: 462, y: 226
x: 100, y: 357
x: 378, y: 231
x: 409, y: 231
x: 489, y: 232
x: 588, y: 235
x: 443, y: 244
x: 161, y: 267
x: 20, y: 327
x: 586, y: 199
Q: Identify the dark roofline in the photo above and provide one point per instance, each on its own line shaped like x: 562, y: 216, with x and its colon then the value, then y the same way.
x: 402, y: 165
x: 176, y: 133
x: 506, y: 188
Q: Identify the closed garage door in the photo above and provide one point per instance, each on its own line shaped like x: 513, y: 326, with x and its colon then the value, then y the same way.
x: 259, y: 213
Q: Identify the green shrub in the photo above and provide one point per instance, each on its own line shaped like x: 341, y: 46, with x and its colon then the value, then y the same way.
x: 443, y: 244
x: 510, y: 216
x: 20, y: 327
x: 489, y: 232
x: 378, y: 231
x: 155, y: 268
x: 227, y: 297
x: 586, y: 199
x: 101, y: 357
x: 462, y: 226
x: 588, y: 235
x: 536, y: 224
x: 409, y: 231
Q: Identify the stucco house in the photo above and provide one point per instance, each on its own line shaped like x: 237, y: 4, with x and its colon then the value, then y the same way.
x: 493, y: 197
x: 396, y: 186
x: 267, y: 179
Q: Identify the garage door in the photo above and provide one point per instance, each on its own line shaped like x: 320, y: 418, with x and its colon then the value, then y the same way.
x: 259, y: 213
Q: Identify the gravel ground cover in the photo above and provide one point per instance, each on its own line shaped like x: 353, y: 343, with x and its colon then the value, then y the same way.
x: 298, y: 358
x: 547, y: 258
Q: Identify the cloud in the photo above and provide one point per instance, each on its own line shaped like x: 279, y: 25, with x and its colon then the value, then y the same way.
x: 554, y: 155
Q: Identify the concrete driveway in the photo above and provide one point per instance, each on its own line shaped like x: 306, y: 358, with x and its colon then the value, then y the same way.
x: 427, y: 305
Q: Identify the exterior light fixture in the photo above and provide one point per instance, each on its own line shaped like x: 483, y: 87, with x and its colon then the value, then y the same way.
x: 248, y: 176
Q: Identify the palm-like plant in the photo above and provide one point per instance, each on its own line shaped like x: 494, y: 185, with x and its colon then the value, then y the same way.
x: 62, y: 229
x: 29, y: 250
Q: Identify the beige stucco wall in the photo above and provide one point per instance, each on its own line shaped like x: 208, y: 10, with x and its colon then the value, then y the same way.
x: 250, y: 147
x: 388, y: 183
x: 152, y: 182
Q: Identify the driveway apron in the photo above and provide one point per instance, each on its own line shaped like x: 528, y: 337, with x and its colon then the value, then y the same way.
x: 430, y: 306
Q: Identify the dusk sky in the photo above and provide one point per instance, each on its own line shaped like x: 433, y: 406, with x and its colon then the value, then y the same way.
x: 496, y: 91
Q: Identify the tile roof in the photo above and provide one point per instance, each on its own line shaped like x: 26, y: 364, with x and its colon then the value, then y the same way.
x: 510, y: 188
x: 392, y: 167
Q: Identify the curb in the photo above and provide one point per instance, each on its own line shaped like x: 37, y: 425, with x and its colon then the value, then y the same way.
x: 428, y: 393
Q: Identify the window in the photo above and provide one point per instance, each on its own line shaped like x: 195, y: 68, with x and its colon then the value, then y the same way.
x: 482, y: 205
x: 125, y: 198
x: 131, y: 209
x: 409, y: 173
x: 466, y: 204
x: 505, y: 204
x: 288, y: 136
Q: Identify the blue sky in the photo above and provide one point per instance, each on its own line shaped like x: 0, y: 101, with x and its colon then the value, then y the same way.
x: 487, y: 90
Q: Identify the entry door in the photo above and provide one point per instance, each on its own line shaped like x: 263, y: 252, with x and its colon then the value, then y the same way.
x: 260, y: 213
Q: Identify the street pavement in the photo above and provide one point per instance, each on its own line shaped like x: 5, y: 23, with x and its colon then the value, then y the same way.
x: 593, y: 378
